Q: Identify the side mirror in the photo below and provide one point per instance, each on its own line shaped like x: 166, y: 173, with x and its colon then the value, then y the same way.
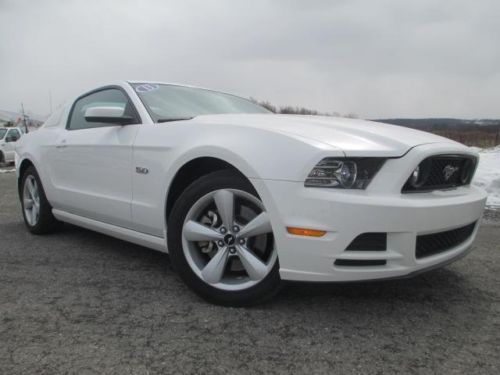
x: 108, y: 115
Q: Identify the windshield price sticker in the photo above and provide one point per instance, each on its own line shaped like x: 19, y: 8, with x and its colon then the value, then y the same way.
x: 147, y: 87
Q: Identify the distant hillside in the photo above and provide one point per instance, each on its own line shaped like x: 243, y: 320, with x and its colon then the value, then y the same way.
x: 441, y: 123
x: 480, y: 132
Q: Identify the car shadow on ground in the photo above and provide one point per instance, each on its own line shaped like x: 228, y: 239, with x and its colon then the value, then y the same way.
x: 424, y: 286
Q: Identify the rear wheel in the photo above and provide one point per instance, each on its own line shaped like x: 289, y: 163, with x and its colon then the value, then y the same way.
x: 221, y: 241
x: 37, y: 211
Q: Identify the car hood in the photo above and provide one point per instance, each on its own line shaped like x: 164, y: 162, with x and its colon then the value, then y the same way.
x: 353, y: 137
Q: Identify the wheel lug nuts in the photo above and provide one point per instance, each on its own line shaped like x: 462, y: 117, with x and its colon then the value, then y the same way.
x: 223, y: 230
x: 236, y: 228
x: 241, y: 241
x: 220, y: 243
x: 232, y: 250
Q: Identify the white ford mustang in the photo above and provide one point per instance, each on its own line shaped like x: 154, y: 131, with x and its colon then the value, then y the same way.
x: 242, y: 198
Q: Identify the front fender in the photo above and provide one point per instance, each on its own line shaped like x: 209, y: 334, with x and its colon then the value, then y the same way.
x: 256, y: 153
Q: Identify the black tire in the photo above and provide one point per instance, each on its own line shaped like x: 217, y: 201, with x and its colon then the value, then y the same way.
x: 225, y: 179
x: 46, y: 223
x: 2, y: 158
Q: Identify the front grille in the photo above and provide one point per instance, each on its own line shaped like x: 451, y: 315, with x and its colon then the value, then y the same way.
x: 435, y: 243
x: 442, y: 172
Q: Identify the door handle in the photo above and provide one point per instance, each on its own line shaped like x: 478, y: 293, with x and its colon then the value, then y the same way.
x: 62, y: 144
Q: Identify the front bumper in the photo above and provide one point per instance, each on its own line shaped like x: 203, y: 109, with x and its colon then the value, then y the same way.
x: 347, y: 214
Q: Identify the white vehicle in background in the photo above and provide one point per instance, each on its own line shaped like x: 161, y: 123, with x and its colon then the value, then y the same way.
x: 8, y: 139
x: 244, y: 199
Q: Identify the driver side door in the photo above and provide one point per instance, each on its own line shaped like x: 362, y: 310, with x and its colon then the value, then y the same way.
x: 91, y: 163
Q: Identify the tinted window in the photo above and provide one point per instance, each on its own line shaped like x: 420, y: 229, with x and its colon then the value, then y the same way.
x: 103, y: 98
x: 166, y: 102
x: 2, y: 133
x: 13, y: 135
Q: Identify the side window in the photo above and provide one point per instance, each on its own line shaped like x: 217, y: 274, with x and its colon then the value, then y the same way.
x: 13, y: 135
x: 103, y: 98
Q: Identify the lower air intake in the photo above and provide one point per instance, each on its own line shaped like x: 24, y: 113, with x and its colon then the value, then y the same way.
x: 435, y: 243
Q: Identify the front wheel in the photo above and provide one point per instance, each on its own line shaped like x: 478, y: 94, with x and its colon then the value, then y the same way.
x: 221, y: 241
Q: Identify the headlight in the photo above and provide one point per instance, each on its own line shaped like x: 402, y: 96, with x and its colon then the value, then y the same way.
x: 349, y: 173
x: 467, y: 171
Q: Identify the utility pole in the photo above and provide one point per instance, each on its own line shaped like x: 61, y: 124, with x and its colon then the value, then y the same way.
x: 50, y: 101
x: 24, y: 118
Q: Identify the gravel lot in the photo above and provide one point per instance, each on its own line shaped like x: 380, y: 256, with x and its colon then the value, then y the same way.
x: 78, y: 302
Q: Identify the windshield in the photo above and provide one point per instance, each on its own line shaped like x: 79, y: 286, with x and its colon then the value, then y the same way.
x: 2, y: 133
x: 171, y: 102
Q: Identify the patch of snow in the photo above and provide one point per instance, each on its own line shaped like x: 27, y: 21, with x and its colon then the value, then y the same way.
x: 7, y: 170
x: 488, y: 175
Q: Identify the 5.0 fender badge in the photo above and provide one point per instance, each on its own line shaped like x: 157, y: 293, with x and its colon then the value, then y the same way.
x: 141, y: 170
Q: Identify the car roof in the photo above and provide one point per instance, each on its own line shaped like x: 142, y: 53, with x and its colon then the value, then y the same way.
x: 166, y: 83
x: 182, y: 85
x: 130, y: 82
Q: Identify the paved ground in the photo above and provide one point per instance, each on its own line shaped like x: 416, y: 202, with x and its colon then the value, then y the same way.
x: 82, y: 303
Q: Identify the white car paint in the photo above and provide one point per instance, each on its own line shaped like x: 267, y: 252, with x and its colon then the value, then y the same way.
x: 90, y: 179
x: 7, y: 147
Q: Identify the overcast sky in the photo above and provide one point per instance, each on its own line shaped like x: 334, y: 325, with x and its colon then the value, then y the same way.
x: 413, y: 58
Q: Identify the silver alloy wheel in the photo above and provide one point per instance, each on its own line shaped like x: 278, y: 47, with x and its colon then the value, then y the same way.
x: 227, y: 240
x: 31, y: 200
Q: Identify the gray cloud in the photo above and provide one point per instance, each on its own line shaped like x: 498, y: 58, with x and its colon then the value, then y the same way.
x: 377, y: 58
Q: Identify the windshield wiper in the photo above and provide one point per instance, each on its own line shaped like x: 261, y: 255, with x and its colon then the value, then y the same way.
x: 174, y: 119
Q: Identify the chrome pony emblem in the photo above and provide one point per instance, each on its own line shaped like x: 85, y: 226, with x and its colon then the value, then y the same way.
x: 448, y: 171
